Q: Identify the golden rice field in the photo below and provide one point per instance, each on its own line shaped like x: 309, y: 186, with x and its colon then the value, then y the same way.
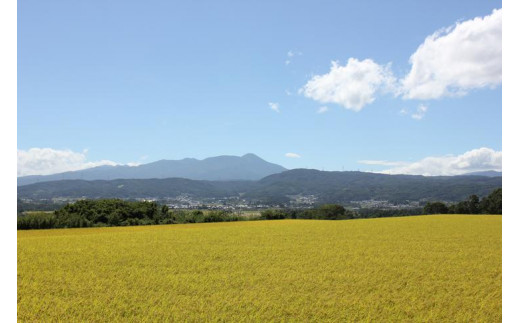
x: 420, y: 269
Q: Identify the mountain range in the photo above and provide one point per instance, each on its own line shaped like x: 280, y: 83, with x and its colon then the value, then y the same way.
x: 251, y: 178
x: 220, y: 168
x: 327, y: 187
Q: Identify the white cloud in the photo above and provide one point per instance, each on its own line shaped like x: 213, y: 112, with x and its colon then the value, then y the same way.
x: 290, y: 55
x: 274, y: 106
x: 353, y: 86
x: 292, y: 155
x: 454, y: 60
x: 450, y: 62
x: 481, y: 159
x: 45, y: 161
x: 420, y: 113
x: 322, y: 109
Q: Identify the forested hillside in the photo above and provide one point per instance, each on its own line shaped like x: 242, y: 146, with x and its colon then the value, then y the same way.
x: 328, y: 187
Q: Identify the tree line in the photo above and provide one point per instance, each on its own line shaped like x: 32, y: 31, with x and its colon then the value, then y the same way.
x: 323, y: 212
x: 115, y: 212
x: 491, y: 204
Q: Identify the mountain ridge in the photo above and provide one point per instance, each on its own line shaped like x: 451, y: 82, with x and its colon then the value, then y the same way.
x: 328, y: 187
x: 487, y: 173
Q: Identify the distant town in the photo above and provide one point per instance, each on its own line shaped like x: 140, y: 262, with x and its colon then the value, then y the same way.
x: 237, y: 204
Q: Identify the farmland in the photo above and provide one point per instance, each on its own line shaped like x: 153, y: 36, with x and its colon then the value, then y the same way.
x: 420, y: 268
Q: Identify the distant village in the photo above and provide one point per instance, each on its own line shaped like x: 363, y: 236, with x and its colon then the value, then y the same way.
x: 237, y: 204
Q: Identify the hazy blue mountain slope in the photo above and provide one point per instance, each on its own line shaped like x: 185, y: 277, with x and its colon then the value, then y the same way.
x: 247, y: 167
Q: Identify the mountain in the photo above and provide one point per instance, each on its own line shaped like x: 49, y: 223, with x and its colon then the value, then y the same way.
x: 247, y: 167
x: 327, y: 187
x: 487, y: 173
x: 132, y: 188
x: 343, y: 187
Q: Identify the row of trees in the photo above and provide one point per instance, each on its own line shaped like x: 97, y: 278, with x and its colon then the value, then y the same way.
x: 114, y: 212
x: 336, y: 212
x: 491, y: 204
x: 324, y: 212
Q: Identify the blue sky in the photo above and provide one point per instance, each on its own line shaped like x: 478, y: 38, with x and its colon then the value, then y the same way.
x: 134, y: 82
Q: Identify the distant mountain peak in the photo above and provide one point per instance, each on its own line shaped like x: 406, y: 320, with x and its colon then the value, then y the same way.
x: 251, y: 155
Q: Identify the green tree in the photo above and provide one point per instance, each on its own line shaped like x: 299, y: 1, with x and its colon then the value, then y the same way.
x: 164, y: 210
x: 473, y: 204
x: 492, y: 204
x: 333, y: 212
x: 435, y: 208
x: 273, y: 214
